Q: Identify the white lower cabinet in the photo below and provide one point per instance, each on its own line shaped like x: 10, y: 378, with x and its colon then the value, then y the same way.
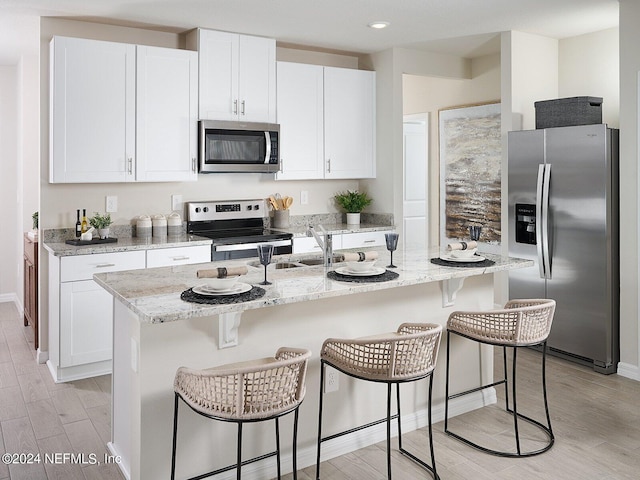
x: 81, y: 312
x: 364, y: 239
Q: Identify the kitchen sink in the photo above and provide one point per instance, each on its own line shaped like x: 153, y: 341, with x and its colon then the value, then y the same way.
x: 311, y: 261
x: 277, y: 265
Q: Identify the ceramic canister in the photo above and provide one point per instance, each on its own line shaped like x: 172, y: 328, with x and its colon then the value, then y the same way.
x: 159, y: 223
x: 174, y: 224
x: 143, y: 226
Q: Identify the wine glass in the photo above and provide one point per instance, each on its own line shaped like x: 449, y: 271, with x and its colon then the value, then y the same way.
x: 265, y: 252
x: 474, y: 232
x: 392, y: 244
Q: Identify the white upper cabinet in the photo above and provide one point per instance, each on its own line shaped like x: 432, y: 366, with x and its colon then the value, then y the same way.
x: 166, y: 115
x: 121, y: 113
x: 349, y: 123
x: 92, y: 117
x: 327, y: 122
x: 237, y: 77
x: 301, y: 119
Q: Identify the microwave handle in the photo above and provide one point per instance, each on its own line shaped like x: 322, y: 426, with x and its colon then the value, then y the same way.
x: 267, y: 155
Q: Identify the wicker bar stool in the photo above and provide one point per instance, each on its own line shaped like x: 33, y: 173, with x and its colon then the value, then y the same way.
x: 252, y: 391
x: 404, y: 356
x: 522, y: 323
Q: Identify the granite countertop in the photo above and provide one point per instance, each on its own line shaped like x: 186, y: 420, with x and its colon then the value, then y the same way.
x: 154, y: 294
x: 337, y: 228
x: 126, y: 244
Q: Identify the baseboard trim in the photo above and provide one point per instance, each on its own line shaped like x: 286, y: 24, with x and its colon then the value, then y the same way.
x: 12, y: 297
x: 42, y: 356
x: 363, y: 438
x: 629, y: 371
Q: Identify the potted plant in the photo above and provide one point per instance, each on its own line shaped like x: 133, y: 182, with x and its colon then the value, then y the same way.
x: 34, y: 220
x: 101, y: 223
x: 353, y: 202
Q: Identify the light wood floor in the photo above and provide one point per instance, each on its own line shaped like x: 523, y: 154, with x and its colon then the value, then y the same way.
x: 596, y: 420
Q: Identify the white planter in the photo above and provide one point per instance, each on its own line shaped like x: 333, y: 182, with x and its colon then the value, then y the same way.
x: 353, y: 219
x: 103, y: 233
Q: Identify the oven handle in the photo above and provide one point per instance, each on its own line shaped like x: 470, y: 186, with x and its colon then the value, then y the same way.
x: 249, y: 246
x: 267, y: 155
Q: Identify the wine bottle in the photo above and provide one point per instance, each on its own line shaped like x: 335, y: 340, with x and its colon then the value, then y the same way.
x: 84, y: 225
x: 78, y: 224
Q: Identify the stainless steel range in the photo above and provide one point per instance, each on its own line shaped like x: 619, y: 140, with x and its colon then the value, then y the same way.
x: 236, y: 228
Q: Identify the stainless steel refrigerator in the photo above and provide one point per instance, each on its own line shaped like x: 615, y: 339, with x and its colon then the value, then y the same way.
x: 563, y: 214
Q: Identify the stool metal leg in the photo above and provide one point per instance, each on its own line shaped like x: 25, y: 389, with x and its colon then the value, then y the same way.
x: 446, y: 388
x: 322, y: 368
x: 515, y: 405
x: 175, y: 437
x: 295, y: 445
x: 389, y: 431
x: 239, y: 466
x: 278, y: 447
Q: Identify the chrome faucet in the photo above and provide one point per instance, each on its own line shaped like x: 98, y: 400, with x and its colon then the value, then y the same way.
x: 326, y: 245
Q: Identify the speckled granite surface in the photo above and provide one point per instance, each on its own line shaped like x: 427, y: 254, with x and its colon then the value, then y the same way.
x: 154, y: 294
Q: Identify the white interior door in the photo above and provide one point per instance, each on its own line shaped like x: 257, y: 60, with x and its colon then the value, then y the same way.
x: 415, y: 191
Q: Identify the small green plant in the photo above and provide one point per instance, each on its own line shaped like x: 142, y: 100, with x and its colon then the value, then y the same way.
x: 34, y: 219
x: 353, y: 201
x: 100, y: 221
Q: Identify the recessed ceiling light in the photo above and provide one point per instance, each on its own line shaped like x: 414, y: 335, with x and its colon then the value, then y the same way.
x: 380, y: 24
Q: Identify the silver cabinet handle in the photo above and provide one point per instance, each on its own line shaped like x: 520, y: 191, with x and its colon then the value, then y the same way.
x: 130, y: 165
x: 235, y: 106
x: 193, y: 164
x: 178, y: 259
x: 105, y: 265
x: 369, y: 241
x: 242, y: 108
x: 328, y: 165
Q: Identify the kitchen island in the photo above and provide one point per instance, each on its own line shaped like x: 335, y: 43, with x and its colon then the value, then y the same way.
x: 155, y: 332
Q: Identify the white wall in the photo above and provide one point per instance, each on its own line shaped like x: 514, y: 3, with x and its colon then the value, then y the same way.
x: 589, y: 65
x: 9, y: 246
x: 629, y: 184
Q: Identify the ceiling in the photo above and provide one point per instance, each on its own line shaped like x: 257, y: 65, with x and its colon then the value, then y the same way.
x: 466, y: 28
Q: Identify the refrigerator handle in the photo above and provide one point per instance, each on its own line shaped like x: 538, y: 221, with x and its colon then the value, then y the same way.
x: 546, y: 251
x: 541, y: 225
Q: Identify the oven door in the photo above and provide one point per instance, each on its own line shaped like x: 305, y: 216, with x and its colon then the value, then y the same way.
x: 238, y: 147
x: 248, y: 250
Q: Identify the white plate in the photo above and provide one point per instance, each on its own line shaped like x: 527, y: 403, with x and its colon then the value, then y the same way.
x: 236, y: 290
x: 451, y: 258
x: 369, y: 273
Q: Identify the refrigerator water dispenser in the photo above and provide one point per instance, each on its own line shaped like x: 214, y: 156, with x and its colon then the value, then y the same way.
x: 525, y: 223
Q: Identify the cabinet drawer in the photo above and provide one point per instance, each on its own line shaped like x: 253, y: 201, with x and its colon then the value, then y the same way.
x: 309, y: 244
x: 83, y: 267
x: 364, y: 239
x: 166, y: 257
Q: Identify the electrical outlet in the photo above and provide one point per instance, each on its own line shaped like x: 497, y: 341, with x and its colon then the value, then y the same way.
x: 176, y: 203
x: 111, y: 204
x: 304, y: 197
x: 331, y: 380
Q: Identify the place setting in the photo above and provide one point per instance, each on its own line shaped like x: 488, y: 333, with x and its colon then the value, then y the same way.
x: 360, y: 267
x: 463, y: 253
x: 225, y: 285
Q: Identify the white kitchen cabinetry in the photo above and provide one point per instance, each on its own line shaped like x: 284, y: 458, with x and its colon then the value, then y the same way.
x: 166, y: 115
x: 92, y: 117
x: 81, y: 312
x: 301, y: 119
x: 237, y: 77
x: 121, y: 112
x: 330, y: 112
x: 309, y: 244
x: 364, y: 239
x: 168, y: 257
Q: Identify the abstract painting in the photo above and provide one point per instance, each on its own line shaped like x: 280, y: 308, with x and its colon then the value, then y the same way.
x: 470, y: 166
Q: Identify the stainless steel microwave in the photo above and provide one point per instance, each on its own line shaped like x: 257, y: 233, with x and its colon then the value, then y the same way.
x: 239, y: 147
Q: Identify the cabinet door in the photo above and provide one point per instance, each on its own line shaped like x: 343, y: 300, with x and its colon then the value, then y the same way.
x: 363, y: 239
x: 257, y: 79
x: 218, y: 58
x: 92, y: 117
x: 349, y: 125
x: 166, y: 114
x: 86, y: 316
x: 301, y: 118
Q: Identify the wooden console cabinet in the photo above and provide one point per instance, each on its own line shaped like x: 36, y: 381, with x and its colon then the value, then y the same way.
x: 31, y: 285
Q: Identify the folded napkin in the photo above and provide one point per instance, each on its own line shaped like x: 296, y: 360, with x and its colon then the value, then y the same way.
x: 462, y: 245
x: 222, y: 272
x: 359, y: 256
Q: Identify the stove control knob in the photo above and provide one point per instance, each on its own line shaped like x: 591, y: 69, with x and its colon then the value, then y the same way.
x: 249, y: 207
x: 205, y: 209
x: 197, y: 209
x: 256, y: 207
